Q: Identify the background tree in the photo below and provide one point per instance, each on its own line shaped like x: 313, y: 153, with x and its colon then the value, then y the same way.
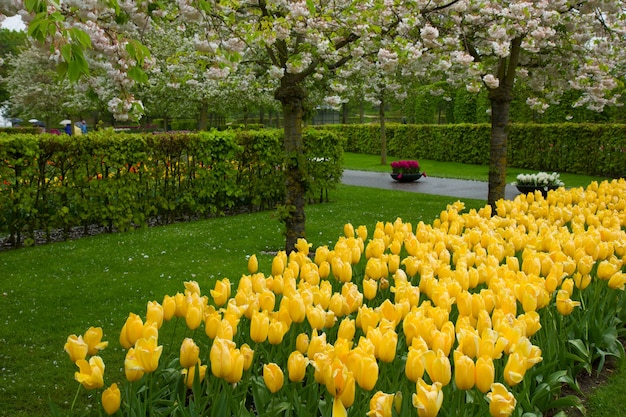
x: 11, y: 42
x: 293, y: 43
x: 554, y: 46
x: 38, y: 92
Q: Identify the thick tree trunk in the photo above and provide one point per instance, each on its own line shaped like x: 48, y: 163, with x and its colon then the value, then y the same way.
x: 291, y: 96
x: 500, y: 107
x: 383, y: 133
x: 500, y: 98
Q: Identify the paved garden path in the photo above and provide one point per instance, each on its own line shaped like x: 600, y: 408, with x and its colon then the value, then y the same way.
x: 427, y: 185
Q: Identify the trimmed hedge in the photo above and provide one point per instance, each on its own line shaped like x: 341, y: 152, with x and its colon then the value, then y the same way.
x: 123, y: 180
x: 591, y: 149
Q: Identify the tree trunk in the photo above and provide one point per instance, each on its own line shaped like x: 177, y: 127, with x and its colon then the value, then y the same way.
x: 383, y: 132
x: 500, y: 98
x: 291, y: 96
x: 344, y: 113
x: 498, y: 148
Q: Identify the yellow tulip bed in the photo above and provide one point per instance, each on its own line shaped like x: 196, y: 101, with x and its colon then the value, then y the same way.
x: 476, y: 314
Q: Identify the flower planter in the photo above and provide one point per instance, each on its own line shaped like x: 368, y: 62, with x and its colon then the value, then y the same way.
x: 406, y: 177
x: 525, y: 189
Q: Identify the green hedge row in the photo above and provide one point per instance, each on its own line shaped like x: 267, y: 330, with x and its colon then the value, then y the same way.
x: 120, y: 180
x: 592, y: 149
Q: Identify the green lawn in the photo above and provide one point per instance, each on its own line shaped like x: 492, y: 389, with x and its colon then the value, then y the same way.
x: 51, y: 291
x: 455, y: 169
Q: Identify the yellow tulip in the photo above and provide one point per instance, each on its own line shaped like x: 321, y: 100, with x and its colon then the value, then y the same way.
x: 276, y: 332
x: 147, y: 354
x: 464, y: 371
x: 111, y: 399
x: 370, y: 287
x: 221, y: 292
x: 438, y: 367
x: 221, y: 358
x: 302, y: 343
x: 273, y: 377
x: 617, y: 281
x: 131, y: 331
x: 90, y: 374
x: 169, y: 307
x: 278, y: 266
x: 484, y: 373
x: 155, y: 313
x: 192, y: 287
x: 93, y: 338
x: 427, y: 399
x: 189, y: 374
x: 347, y: 329
x: 316, y: 316
x: 515, y: 369
x: 381, y: 405
x: 414, y: 368
x: 501, y: 402
x: 189, y: 353
x: 193, y: 316
x: 296, y: 366
x: 581, y: 281
x: 253, y: 264
x: 130, y: 370
x: 388, y: 346
x: 606, y: 269
x: 259, y: 326
x: 181, y: 304
x: 564, y: 304
x: 361, y: 232
x: 76, y: 347
x: 364, y: 369
x: 297, y: 308
x: 248, y: 355
x: 237, y: 363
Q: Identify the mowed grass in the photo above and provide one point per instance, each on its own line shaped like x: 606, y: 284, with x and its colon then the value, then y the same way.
x: 51, y: 291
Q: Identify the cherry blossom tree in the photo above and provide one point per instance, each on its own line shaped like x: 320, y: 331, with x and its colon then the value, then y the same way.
x: 553, y: 45
x: 292, y: 43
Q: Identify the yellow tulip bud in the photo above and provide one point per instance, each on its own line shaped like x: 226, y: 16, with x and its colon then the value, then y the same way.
x: 192, y: 287
x: 347, y: 329
x: 438, y: 367
x: 302, y: 342
x: 131, y: 331
x: 414, y: 368
x: 220, y: 357
x: 464, y: 371
x: 111, y: 399
x: 316, y: 316
x: 276, y: 332
x: 253, y: 264
x: 248, y: 355
x: 193, y: 316
x: 297, y: 309
x: 76, y: 347
x: 155, y: 313
x: 273, y: 377
x: 181, y: 305
x: 169, y: 307
x: 484, y: 373
x: 296, y: 366
x: 370, y: 287
x: 259, y: 326
x: 501, y: 402
x: 189, y: 353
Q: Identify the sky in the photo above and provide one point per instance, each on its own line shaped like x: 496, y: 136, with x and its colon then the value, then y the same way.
x: 13, y: 23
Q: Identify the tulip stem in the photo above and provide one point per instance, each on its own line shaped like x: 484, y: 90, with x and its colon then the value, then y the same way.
x: 75, y: 398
